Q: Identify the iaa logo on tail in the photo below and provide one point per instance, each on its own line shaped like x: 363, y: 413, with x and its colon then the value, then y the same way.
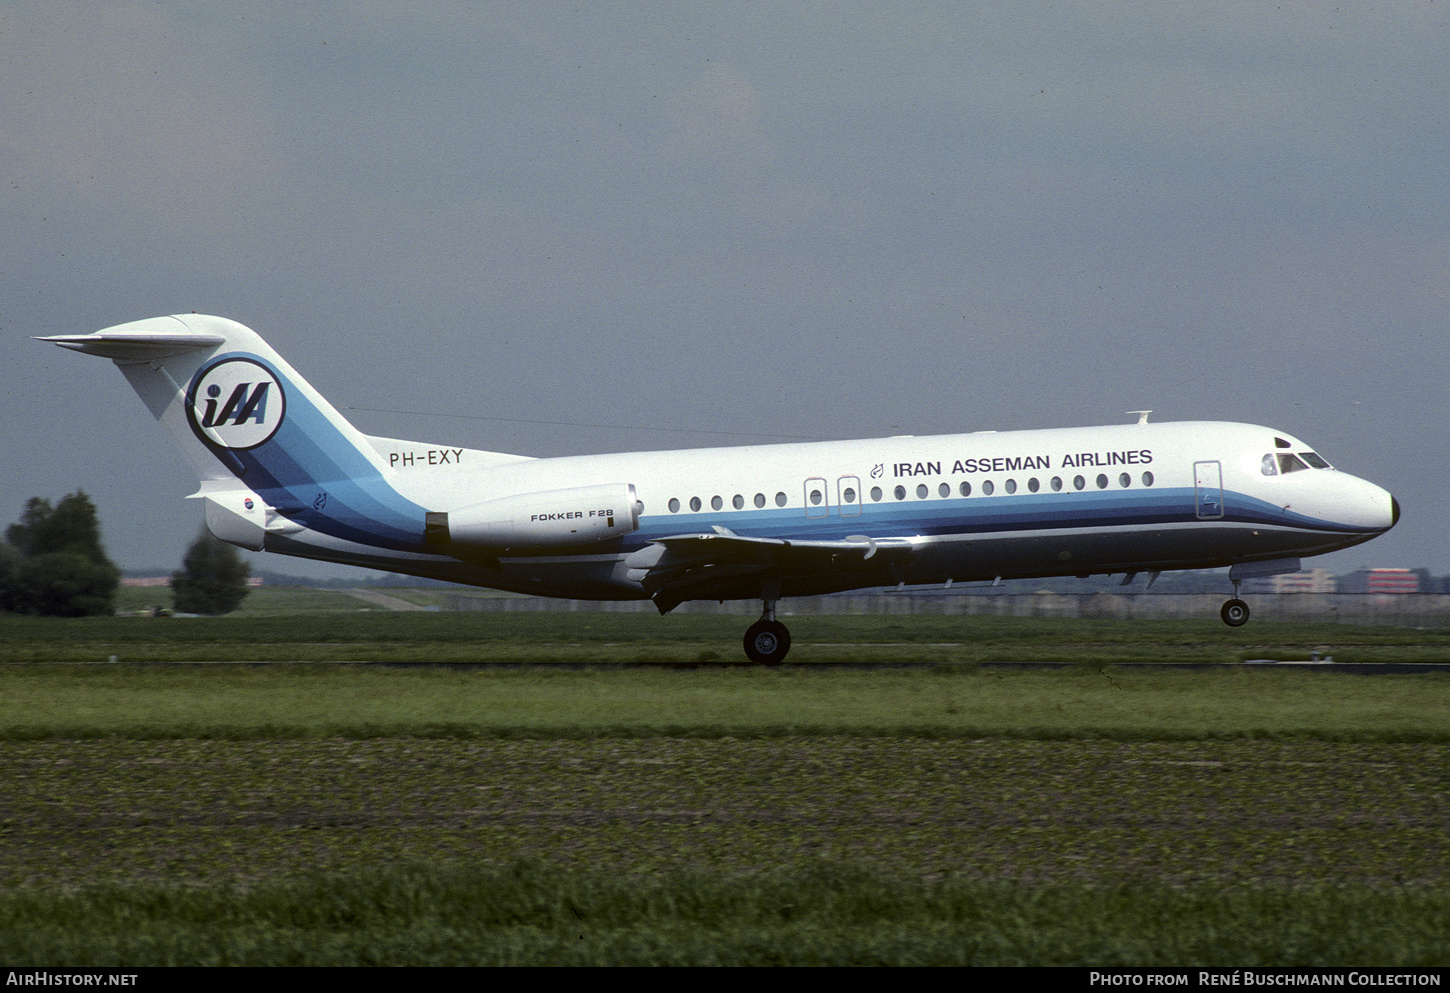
x: 236, y: 403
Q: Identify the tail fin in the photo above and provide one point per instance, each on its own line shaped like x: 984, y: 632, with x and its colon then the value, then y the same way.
x: 250, y: 425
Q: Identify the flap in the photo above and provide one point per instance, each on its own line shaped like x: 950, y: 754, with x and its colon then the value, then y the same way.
x: 689, y: 566
x: 724, y: 546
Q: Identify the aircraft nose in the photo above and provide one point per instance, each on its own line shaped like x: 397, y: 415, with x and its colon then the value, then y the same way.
x: 1367, y: 507
x: 1382, y: 501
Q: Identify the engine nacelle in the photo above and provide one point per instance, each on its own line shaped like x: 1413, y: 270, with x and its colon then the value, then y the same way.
x: 548, y: 519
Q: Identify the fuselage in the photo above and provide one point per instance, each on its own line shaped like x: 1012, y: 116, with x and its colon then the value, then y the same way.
x: 282, y: 470
x: 1071, y: 501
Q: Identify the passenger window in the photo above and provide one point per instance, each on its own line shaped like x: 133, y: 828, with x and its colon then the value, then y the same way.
x: 716, y: 503
x: 694, y: 503
x: 1011, y: 486
x: 760, y: 499
x: 738, y: 502
x: 1269, y: 467
x: 848, y: 495
x: 1102, y: 481
x: 780, y: 499
x: 900, y: 492
x: 945, y: 489
x: 1078, y: 482
x: 816, y: 498
x: 876, y: 493
x: 1033, y: 485
x: 965, y: 489
x: 1290, y: 463
x: 1147, y: 479
x: 1057, y: 484
x: 921, y: 491
x: 987, y: 487
x: 1125, y: 480
x: 674, y: 506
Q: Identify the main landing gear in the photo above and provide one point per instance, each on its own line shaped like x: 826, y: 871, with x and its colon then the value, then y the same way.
x: 767, y: 640
x: 1235, y: 612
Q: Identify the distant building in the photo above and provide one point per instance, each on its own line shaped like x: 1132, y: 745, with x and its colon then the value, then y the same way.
x: 1380, y: 581
x: 1308, y: 581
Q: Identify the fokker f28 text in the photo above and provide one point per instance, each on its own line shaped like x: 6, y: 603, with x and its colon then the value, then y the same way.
x: 282, y: 471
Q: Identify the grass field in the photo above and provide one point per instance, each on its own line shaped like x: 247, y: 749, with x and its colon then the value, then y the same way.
x: 230, y: 702
x: 329, y: 626
x: 1095, y: 814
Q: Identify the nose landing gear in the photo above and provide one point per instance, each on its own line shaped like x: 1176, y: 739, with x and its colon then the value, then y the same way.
x: 1235, y: 612
x: 767, y: 641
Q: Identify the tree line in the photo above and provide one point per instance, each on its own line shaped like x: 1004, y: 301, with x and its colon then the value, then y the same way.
x: 52, y: 564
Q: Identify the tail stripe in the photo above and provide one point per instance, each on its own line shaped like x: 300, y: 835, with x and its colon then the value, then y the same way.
x: 312, y: 473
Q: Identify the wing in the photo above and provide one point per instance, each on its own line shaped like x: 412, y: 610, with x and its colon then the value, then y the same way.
x: 702, y: 566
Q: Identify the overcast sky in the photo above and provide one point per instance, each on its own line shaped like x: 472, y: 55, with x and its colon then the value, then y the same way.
x: 828, y: 220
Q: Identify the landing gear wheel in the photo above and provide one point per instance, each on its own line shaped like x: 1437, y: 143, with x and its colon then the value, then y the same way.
x: 1235, y: 613
x: 766, y: 642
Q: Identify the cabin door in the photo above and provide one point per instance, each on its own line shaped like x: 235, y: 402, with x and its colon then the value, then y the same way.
x: 1208, y: 490
x: 848, y: 496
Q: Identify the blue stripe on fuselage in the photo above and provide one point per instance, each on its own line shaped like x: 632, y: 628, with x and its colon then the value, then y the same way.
x: 989, y: 514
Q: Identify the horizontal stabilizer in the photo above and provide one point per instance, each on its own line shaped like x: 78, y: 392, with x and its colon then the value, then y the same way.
x: 134, y: 347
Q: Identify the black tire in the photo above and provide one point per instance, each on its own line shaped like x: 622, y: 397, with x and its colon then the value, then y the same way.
x: 766, y: 642
x: 1235, y: 613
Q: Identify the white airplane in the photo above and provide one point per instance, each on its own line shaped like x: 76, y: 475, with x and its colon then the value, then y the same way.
x: 282, y: 471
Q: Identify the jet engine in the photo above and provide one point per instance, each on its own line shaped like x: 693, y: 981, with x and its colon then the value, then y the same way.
x: 579, y: 515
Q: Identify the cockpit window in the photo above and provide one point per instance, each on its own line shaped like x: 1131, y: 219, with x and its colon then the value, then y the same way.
x: 1315, y: 460
x: 1281, y: 443
x: 1269, y: 466
x: 1290, y: 463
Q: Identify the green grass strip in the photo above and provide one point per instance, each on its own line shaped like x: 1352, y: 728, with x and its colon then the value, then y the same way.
x: 606, y: 638
x: 1086, y: 701
x: 832, y: 914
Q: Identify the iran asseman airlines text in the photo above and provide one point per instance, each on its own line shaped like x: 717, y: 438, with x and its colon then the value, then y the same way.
x: 282, y: 471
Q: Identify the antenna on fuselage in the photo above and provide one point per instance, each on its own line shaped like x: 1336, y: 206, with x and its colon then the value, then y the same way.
x: 1142, y: 415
